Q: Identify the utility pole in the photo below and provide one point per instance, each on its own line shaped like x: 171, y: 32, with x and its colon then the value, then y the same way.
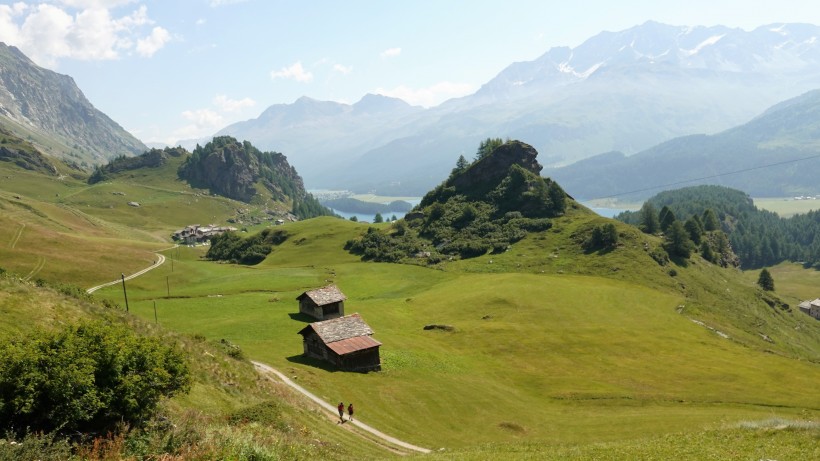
x: 124, y: 293
x: 168, y: 285
x: 155, y: 312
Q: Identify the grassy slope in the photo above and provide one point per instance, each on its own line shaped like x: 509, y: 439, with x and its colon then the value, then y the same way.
x: 221, y: 387
x: 59, y: 225
x: 553, y: 346
x: 539, y: 352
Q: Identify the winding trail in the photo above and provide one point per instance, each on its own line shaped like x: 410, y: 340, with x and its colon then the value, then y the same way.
x: 388, y: 442
x: 41, y: 263
x: 17, y: 235
x: 266, y: 369
x: 160, y: 261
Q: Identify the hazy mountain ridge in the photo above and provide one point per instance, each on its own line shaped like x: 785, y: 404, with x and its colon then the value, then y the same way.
x: 618, y: 91
x: 758, y: 157
x: 34, y: 100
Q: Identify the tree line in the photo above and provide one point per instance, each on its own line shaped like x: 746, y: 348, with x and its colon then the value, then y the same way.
x: 759, y: 238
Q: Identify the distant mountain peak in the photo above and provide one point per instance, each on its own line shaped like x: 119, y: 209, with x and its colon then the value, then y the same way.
x: 374, y: 103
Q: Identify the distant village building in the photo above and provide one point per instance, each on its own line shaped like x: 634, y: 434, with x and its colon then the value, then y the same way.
x: 345, y: 342
x: 811, y: 308
x: 323, y: 303
x: 198, y: 234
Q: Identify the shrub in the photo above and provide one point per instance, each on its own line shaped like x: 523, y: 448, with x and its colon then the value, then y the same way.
x: 90, y: 377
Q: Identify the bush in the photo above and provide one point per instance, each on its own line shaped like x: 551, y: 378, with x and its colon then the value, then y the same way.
x: 90, y: 377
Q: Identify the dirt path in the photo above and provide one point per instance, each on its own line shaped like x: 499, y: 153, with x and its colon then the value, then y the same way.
x: 266, y: 369
x: 41, y: 263
x: 17, y: 235
x: 160, y: 260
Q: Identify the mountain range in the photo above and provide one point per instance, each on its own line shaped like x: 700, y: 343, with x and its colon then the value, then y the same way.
x: 773, y: 155
x: 618, y: 91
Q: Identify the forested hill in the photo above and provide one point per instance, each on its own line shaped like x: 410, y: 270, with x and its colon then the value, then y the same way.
x: 759, y: 237
x: 483, y: 206
x: 242, y: 172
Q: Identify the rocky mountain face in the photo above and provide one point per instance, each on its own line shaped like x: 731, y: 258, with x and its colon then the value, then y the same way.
x: 20, y: 152
x: 36, y: 102
x: 242, y: 172
x: 619, y: 91
x: 493, y: 168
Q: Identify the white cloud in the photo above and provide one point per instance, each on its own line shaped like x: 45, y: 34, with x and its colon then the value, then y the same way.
x: 202, y: 122
x: 390, y: 53
x: 149, y: 45
x: 79, y: 29
x: 226, y: 104
x: 217, y: 3
x: 294, y: 72
x: 342, y: 69
x: 430, y: 96
x: 81, y: 4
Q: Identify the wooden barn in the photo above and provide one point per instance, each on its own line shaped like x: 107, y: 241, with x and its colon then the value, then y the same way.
x: 345, y: 342
x: 323, y: 303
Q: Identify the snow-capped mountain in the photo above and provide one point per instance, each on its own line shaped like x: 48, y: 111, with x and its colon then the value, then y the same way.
x: 623, y: 91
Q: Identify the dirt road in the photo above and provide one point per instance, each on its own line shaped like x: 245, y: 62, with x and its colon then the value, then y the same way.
x: 392, y: 441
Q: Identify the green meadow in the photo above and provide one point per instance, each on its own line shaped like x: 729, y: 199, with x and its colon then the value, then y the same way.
x: 551, y: 346
x: 556, y: 352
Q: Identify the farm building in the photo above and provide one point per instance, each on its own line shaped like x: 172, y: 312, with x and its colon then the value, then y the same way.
x: 811, y: 308
x: 198, y: 234
x: 345, y: 342
x: 323, y: 303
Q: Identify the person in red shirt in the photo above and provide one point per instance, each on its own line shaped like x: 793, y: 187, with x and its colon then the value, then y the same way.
x: 341, y: 408
x: 350, y: 412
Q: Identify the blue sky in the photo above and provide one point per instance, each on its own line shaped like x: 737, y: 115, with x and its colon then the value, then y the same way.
x: 168, y: 70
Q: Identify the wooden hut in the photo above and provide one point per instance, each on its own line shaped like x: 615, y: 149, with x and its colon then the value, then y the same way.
x: 345, y: 342
x: 323, y: 303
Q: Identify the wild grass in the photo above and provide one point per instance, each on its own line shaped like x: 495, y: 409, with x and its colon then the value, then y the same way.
x: 537, y: 353
x: 231, y: 412
x: 556, y: 351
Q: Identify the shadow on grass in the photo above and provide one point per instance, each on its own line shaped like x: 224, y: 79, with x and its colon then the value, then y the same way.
x: 312, y: 362
x: 301, y: 317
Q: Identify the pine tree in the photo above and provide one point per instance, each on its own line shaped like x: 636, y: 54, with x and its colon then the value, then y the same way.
x: 461, y: 166
x: 710, y: 220
x: 649, y: 219
x: 677, y: 240
x: 666, y: 217
x: 765, y: 280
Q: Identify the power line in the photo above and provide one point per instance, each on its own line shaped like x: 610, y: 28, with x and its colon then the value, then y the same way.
x: 785, y: 162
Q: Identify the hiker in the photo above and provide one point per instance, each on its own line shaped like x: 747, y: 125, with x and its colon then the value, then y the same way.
x: 341, y: 411
x: 350, y: 412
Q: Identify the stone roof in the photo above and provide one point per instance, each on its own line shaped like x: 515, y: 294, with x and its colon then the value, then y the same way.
x: 325, y: 295
x: 338, y: 329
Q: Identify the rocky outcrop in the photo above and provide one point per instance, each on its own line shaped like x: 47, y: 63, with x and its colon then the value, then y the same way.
x: 233, y: 169
x: 49, y: 103
x: 494, y: 167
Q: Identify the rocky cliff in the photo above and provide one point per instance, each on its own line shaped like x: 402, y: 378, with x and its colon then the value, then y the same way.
x: 34, y: 100
x: 240, y: 171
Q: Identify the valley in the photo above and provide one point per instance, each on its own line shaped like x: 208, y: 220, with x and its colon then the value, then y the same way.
x: 601, y: 308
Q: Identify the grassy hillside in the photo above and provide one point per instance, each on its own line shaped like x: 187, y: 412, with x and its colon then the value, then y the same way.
x: 557, y: 352
x: 552, y: 346
x: 230, y: 412
x: 52, y: 225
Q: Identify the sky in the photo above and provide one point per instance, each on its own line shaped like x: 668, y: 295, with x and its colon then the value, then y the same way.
x: 171, y: 70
